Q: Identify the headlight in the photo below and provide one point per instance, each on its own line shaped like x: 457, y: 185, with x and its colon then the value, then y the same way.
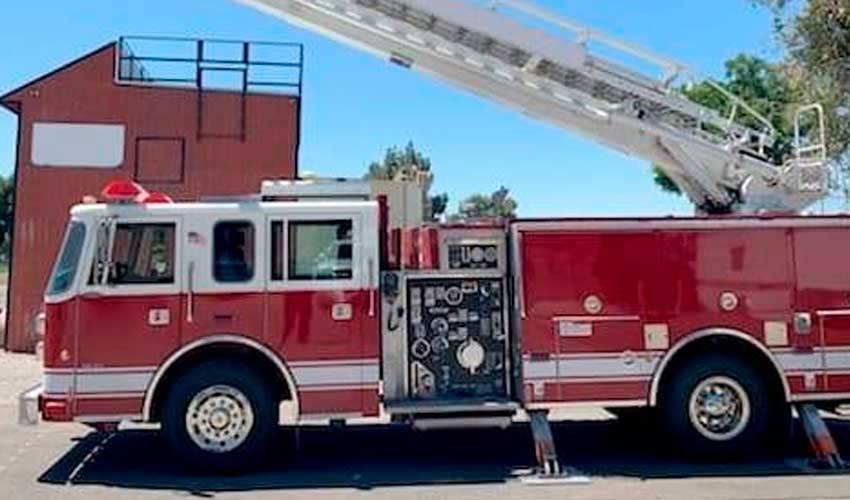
x: 39, y: 325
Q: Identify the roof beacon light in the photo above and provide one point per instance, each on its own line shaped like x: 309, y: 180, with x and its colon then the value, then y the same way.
x: 124, y: 191
x: 157, y: 197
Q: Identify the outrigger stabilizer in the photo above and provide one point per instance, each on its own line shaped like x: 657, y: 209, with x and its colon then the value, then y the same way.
x: 549, y: 469
x: 826, y: 454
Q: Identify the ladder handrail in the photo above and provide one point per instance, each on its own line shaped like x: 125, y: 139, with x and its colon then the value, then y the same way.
x: 820, y: 146
x: 671, y: 67
x: 738, y: 102
x: 577, y: 83
x: 591, y: 33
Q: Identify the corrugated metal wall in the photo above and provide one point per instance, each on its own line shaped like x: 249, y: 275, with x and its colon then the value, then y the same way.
x: 160, y: 122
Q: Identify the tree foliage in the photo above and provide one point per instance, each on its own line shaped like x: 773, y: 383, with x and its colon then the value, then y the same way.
x: 498, y: 204
x: 7, y: 193
x: 409, y: 164
x: 817, y: 43
x: 814, y: 68
x: 663, y: 181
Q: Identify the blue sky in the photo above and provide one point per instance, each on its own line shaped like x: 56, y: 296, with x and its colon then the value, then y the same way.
x: 356, y: 105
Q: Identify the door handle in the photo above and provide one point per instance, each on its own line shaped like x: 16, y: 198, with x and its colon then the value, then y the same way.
x: 190, y: 294
x: 371, y: 282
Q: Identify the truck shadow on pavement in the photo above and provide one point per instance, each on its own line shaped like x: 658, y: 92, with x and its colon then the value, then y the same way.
x: 372, y: 457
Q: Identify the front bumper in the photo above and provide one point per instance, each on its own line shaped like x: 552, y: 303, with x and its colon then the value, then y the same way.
x: 29, y: 405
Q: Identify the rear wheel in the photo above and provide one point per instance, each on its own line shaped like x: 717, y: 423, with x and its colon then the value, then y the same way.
x: 220, y: 415
x: 716, y: 406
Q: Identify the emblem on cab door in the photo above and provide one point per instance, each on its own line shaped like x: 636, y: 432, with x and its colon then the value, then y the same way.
x: 341, y: 312
x: 159, y: 317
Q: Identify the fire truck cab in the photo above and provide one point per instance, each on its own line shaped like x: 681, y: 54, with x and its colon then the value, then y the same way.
x: 222, y: 319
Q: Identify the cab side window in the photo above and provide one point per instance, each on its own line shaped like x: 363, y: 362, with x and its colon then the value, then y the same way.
x: 233, y: 251
x: 320, y: 250
x: 278, y: 243
x: 142, y: 254
x: 66, y: 267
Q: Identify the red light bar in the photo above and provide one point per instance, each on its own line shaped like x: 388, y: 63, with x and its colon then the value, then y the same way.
x: 157, y: 197
x: 123, y: 191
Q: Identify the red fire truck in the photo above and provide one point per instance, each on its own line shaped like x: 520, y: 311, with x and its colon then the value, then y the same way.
x: 220, y: 320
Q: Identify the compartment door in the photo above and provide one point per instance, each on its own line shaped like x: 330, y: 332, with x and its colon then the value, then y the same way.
x: 584, y: 296
x: 820, y: 332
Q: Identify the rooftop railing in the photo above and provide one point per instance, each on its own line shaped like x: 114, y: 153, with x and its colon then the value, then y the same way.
x: 211, y: 64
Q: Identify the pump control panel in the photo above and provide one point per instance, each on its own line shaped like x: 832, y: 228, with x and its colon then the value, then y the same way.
x: 457, y: 342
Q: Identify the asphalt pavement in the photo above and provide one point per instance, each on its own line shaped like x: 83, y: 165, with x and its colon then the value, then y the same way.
x: 623, y: 460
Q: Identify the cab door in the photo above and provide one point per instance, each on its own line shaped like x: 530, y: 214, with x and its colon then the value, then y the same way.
x: 322, y: 293
x: 129, y: 307
x: 225, y: 274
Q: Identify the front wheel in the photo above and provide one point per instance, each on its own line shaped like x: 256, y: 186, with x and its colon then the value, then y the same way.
x: 220, y: 415
x: 717, y: 406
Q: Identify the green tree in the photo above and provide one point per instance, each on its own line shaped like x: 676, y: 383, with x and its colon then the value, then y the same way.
x: 409, y: 164
x: 498, y: 204
x: 816, y: 39
x: 7, y: 192
x: 815, y: 36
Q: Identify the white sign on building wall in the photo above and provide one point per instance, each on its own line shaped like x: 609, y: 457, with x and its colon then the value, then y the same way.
x: 80, y: 145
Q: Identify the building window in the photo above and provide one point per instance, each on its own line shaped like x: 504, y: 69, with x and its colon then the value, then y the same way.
x: 320, y: 250
x: 142, y: 254
x: 233, y: 252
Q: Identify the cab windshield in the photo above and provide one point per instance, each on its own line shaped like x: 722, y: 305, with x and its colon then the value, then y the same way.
x: 66, y: 267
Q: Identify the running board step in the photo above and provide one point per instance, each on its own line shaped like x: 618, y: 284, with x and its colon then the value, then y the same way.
x: 437, y: 422
x: 468, y: 407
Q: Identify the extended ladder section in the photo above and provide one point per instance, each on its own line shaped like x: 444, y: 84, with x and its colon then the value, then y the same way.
x: 576, y: 78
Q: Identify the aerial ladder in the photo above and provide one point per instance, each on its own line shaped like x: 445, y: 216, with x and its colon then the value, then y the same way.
x: 577, y: 78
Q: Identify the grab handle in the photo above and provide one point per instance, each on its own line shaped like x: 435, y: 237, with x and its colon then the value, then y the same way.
x: 190, y: 295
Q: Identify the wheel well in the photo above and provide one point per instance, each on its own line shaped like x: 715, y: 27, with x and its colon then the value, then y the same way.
x: 726, y: 344
x: 230, y: 351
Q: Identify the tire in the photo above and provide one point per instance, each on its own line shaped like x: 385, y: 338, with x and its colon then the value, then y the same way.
x: 220, y: 416
x: 718, y: 407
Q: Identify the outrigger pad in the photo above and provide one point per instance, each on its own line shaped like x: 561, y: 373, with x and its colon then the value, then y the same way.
x: 820, y: 438
x: 549, y: 470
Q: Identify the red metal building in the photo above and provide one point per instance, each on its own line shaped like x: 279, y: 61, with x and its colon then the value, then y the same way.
x: 189, y: 118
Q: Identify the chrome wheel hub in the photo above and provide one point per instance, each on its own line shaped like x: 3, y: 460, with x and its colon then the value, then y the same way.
x: 219, y: 418
x: 719, y: 408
